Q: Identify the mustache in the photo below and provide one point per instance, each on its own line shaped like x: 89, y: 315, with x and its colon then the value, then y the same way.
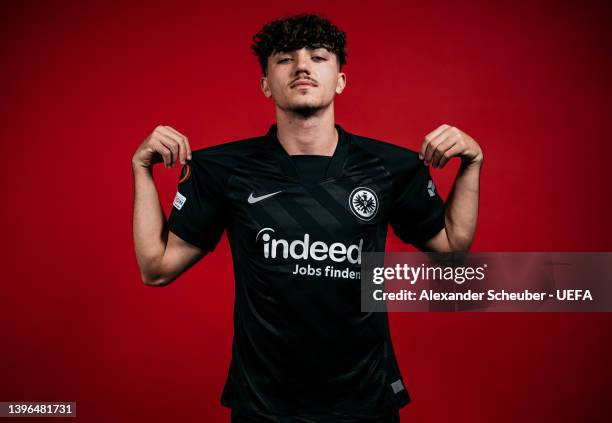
x: 303, y: 78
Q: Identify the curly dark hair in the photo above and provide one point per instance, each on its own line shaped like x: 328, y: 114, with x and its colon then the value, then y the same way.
x: 296, y: 32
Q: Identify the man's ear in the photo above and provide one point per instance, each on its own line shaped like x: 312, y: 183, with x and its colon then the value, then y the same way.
x: 341, y: 82
x: 265, y: 89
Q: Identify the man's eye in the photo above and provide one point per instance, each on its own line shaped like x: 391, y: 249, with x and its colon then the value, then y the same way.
x: 319, y: 58
x: 283, y: 60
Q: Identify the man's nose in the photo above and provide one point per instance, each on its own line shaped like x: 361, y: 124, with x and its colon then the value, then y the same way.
x: 301, y: 63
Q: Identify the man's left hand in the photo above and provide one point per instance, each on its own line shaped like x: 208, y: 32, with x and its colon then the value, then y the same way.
x: 446, y: 142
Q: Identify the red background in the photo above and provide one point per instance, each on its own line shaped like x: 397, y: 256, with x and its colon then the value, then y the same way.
x: 83, y: 84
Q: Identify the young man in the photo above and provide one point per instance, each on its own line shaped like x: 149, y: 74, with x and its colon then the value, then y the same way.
x: 300, y: 204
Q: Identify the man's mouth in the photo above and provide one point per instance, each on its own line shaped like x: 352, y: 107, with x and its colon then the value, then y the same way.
x: 302, y: 83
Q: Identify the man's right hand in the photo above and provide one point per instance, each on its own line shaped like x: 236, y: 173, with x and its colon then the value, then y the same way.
x: 162, y: 256
x: 163, y: 144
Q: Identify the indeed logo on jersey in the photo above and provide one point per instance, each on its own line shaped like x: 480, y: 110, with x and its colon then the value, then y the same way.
x: 305, y: 249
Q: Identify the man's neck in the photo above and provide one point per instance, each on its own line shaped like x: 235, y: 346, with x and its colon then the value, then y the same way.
x: 313, y: 135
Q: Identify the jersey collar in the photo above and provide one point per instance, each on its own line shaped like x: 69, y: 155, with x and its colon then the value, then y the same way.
x: 336, y: 164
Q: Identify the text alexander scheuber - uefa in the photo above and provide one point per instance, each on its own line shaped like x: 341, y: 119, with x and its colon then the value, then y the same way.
x: 458, y: 275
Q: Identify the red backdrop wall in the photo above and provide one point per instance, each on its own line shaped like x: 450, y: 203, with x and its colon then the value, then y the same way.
x: 83, y: 84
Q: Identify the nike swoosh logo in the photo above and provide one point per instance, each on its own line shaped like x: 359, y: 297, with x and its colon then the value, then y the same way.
x: 253, y: 199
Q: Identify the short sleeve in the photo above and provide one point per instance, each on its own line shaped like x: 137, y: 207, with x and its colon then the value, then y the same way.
x: 417, y: 213
x: 198, y: 210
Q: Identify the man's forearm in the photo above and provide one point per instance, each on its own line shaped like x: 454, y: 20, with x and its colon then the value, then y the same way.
x: 461, y: 211
x: 149, y: 222
x: 439, y: 146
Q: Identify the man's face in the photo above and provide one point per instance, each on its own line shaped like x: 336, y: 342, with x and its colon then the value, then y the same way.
x: 303, y: 80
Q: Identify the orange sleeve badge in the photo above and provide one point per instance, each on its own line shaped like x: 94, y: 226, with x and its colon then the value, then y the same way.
x: 185, y: 172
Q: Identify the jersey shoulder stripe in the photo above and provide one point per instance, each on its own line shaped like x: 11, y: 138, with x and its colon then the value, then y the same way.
x: 400, y: 162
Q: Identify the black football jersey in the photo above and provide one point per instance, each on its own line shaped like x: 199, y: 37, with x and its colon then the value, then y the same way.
x: 301, y: 345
